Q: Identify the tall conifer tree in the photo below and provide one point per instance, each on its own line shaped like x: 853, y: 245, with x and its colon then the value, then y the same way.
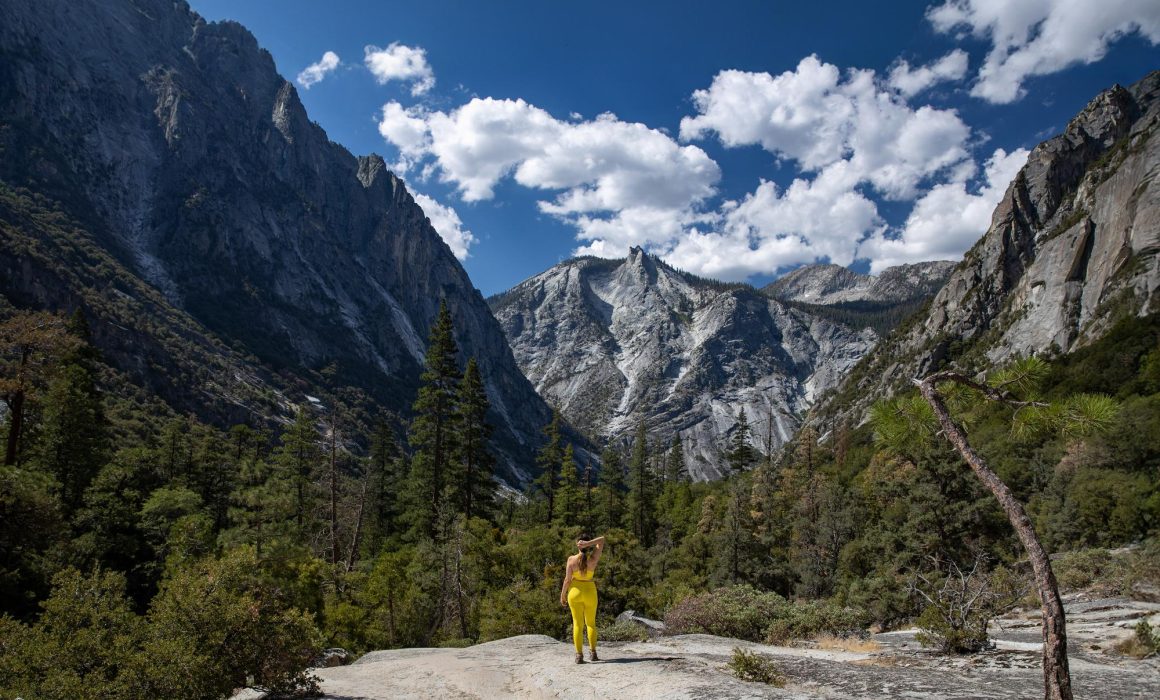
x: 476, y: 484
x: 299, y: 458
x: 641, y: 515
x: 386, y: 470
x: 610, y: 501
x: 675, y: 464
x: 549, y: 459
x: 571, y: 495
x: 434, y: 430
x: 75, y: 431
x: 741, y: 453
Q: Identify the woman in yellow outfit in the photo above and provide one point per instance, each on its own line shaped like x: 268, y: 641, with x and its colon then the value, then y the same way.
x: 579, y: 593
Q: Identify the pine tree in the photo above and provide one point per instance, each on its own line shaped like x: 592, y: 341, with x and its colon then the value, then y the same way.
x: 741, y: 453
x: 570, y: 495
x: 176, y: 448
x: 263, y: 508
x: 807, y: 443
x: 549, y: 459
x: 213, y: 472
x: 589, y: 514
x: 733, y: 535
x: 31, y: 343
x: 386, y: 471
x: 476, y: 484
x: 74, y: 429
x: 610, y: 504
x: 641, y: 515
x: 434, y: 429
x: 299, y: 459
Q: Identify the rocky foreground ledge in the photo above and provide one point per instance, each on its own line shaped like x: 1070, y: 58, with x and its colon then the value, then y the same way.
x: 694, y: 666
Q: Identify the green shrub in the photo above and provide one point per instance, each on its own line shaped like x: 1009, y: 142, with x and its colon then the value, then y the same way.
x: 84, y: 646
x: 751, y: 666
x: 1147, y: 637
x: 742, y: 612
x: 1086, y: 567
x: 961, y: 605
x: 963, y: 636
x: 1145, y: 643
x: 216, y: 626
x: 805, y: 620
x: 523, y: 609
x: 623, y: 632
x: 456, y: 643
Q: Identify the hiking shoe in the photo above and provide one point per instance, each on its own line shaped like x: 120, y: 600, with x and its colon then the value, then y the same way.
x: 579, y: 658
x: 594, y: 656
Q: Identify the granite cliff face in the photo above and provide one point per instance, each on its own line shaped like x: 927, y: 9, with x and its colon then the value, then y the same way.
x: 180, y: 155
x: 834, y: 284
x: 612, y: 342
x: 1071, y: 248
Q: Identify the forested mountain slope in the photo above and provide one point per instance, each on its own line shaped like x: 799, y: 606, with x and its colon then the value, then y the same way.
x: 157, y: 172
x: 1071, y: 249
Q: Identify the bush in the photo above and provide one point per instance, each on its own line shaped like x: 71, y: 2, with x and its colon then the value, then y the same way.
x: 523, y: 609
x: 84, y: 645
x: 805, y: 620
x: 1086, y: 567
x: 215, y: 627
x: 456, y: 643
x: 1145, y: 643
x: 751, y: 666
x: 962, y: 604
x: 1108, y: 573
x: 623, y: 632
x: 742, y: 612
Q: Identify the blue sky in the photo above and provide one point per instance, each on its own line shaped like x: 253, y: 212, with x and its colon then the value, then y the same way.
x: 735, y: 139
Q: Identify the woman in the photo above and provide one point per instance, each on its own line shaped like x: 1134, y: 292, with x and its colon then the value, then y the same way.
x: 579, y: 593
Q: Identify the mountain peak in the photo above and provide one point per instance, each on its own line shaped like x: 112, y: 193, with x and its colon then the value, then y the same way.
x: 833, y: 284
x: 614, y: 342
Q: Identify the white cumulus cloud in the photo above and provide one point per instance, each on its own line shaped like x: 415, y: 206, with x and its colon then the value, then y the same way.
x: 911, y: 81
x: 618, y: 183
x: 1040, y: 37
x: 848, y: 132
x: 315, y: 72
x: 948, y: 219
x: 402, y: 63
x: 852, y: 137
x: 772, y: 228
x: 816, y: 116
x: 447, y: 224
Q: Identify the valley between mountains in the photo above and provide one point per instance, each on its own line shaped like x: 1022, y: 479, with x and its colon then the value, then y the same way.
x: 258, y: 421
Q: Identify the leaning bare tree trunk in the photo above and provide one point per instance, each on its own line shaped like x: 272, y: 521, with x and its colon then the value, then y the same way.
x: 352, y: 556
x: 334, y: 497
x: 1056, y: 676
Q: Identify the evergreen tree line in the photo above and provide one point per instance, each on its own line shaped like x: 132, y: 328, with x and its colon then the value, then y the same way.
x: 414, y: 544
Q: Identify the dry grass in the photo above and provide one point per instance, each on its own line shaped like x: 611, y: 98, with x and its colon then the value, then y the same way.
x: 832, y: 643
x: 1134, y: 648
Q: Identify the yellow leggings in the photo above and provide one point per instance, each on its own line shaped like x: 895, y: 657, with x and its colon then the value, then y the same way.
x: 582, y: 603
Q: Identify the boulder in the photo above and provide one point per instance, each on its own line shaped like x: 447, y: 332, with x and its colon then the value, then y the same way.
x: 330, y: 658
x: 653, y: 627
